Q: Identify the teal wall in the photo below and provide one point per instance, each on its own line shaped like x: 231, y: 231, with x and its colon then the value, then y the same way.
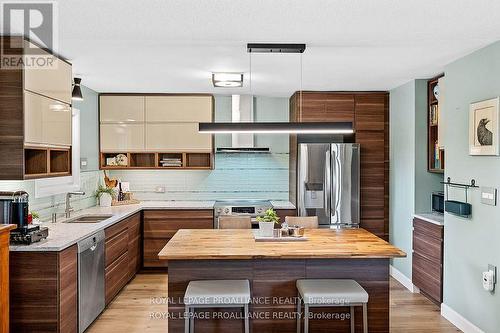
x: 402, y: 170
x: 410, y: 183
x: 471, y: 244
x: 89, y: 128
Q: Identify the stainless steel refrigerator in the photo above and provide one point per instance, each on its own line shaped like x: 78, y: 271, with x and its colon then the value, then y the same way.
x: 328, y: 183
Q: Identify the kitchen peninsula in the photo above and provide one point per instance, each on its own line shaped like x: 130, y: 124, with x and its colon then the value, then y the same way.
x: 273, y: 268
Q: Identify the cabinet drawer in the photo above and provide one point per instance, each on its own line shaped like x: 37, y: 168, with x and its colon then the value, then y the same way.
x: 427, y: 276
x: 164, y: 224
x: 122, y: 137
x: 427, y: 228
x: 182, y: 137
x: 116, y: 246
x: 121, y: 108
x: 428, y: 247
x: 134, y: 254
x: 116, y: 277
x: 115, y: 229
x: 151, y: 248
x: 179, y: 109
x: 52, y: 81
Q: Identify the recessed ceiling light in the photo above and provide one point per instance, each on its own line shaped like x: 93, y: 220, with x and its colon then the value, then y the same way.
x: 227, y: 80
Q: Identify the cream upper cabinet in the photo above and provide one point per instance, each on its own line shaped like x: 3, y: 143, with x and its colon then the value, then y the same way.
x: 52, y: 79
x: 180, y: 137
x: 126, y: 109
x: 33, y: 105
x: 194, y: 108
x: 47, y: 121
x: 122, y: 137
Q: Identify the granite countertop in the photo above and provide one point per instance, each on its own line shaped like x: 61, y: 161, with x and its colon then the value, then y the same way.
x: 431, y: 217
x: 63, y: 235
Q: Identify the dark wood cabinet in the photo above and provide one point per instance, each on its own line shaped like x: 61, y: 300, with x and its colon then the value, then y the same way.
x: 369, y: 113
x: 43, y: 291
x: 282, y: 213
x: 121, y: 254
x: 160, y: 225
x: 427, y: 259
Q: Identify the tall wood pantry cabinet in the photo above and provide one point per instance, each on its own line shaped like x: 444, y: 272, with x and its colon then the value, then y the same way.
x: 369, y: 113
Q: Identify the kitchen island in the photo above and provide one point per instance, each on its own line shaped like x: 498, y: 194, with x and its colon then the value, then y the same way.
x: 273, y: 268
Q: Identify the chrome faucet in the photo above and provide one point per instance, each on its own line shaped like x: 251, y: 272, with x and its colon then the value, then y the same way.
x: 69, y: 209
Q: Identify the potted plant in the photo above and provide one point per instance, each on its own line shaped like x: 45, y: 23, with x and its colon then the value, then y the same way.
x: 267, y: 222
x: 105, y: 195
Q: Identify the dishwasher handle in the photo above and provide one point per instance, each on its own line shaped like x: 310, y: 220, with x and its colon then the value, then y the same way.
x: 90, y: 243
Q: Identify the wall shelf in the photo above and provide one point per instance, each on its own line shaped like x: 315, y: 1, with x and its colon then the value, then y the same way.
x: 435, y: 156
x: 160, y: 161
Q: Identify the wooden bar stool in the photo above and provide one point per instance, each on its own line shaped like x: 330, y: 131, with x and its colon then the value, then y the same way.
x: 331, y: 293
x: 216, y: 294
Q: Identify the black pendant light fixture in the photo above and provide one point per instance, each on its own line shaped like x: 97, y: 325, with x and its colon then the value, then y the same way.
x: 277, y: 127
x: 76, y: 94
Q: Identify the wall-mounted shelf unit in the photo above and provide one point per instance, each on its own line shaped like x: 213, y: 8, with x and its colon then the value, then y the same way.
x: 35, y: 113
x: 435, y: 158
x: 46, y: 162
x: 160, y: 161
x: 156, y: 131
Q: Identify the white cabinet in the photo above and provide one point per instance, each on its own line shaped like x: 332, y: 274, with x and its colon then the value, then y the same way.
x: 47, y: 121
x: 176, y: 137
x: 123, y: 109
x: 194, y: 108
x: 53, y: 79
x: 122, y: 137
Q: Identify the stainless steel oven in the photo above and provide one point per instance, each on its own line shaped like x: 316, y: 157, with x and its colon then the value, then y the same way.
x: 252, y: 208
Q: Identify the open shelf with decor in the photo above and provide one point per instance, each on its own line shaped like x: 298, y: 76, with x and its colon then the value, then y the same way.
x: 156, y: 160
x: 41, y: 162
x: 435, y: 157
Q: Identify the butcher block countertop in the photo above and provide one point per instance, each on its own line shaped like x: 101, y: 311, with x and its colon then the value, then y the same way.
x: 204, y: 244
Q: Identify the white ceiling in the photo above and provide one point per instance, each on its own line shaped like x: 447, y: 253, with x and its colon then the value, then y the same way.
x: 173, y: 46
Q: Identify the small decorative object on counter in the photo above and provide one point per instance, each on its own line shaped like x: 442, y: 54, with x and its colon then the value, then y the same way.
x: 267, y: 222
x: 105, y: 195
x: 111, y: 183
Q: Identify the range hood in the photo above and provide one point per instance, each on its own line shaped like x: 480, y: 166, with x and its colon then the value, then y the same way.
x: 242, y: 111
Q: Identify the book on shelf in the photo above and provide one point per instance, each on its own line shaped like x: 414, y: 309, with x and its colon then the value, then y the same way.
x: 433, y: 114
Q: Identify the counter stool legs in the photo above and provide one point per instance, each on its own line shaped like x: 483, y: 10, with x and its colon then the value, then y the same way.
x: 247, y: 323
x: 306, y: 318
x: 187, y: 314
x: 299, y: 313
x: 365, y: 318
x: 353, y: 323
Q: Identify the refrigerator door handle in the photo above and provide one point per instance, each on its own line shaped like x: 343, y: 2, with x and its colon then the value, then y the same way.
x: 327, y: 185
x: 336, y: 192
x: 334, y: 185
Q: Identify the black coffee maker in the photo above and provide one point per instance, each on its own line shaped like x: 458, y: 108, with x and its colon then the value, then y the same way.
x: 14, y: 209
x: 20, y: 211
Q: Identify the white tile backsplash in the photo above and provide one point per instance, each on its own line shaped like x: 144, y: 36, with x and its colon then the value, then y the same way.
x: 236, y: 176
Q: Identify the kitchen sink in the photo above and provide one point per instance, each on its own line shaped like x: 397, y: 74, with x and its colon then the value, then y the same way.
x: 89, y: 219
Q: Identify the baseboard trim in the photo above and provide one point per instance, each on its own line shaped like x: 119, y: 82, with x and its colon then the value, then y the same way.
x: 403, y: 279
x: 458, y: 320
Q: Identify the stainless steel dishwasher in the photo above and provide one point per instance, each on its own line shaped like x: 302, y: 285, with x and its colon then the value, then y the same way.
x: 90, y: 279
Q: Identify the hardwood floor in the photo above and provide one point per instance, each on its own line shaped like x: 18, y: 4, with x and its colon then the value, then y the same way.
x: 141, y: 307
